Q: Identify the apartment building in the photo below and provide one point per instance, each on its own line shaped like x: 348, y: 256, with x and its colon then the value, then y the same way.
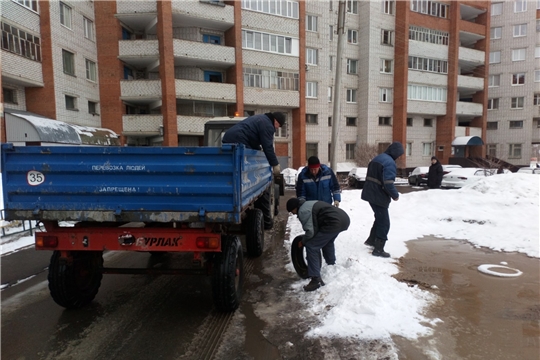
x: 513, y: 127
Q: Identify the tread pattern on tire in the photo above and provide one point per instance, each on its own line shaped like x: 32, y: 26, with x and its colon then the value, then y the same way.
x: 297, y: 257
x: 226, y: 287
x: 255, y: 233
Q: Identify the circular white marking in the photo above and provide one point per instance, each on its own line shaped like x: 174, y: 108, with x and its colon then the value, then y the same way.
x: 486, y: 270
x: 35, y: 178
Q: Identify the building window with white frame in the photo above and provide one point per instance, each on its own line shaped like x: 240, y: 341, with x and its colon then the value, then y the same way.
x: 492, y: 125
x: 350, y: 150
x: 536, y: 99
x: 331, y: 32
x: 311, y: 23
x: 408, y: 149
x: 536, y: 75
x: 432, y: 36
x: 387, y: 7
x: 514, y: 151
x: 269, y: 43
x: 427, y: 149
x: 496, y: 8
x: 516, y: 124
x: 518, y: 54
x: 20, y: 42
x: 520, y: 30
x: 493, y: 104
x: 68, y: 61
x: 312, y: 149
x: 517, y: 102
x: 350, y: 121
x: 312, y: 119
x: 351, y: 95
x: 520, y: 6
x: 426, y: 93
x: 9, y: 95
x: 385, y: 121
x: 495, y: 33
x: 494, y: 80
x: 312, y: 56
x: 330, y: 62
x: 284, y: 8
x: 93, y: 108
x: 352, y: 66
x: 352, y: 6
x: 431, y: 8
x: 494, y: 57
x: 91, y: 70
x: 492, y: 150
x: 88, y: 29
x: 71, y: 102
x: 518, y: 79
x: 282, y: 132
x: 311, y: 89
x: 352, y: 36
x: 30, y: 4
x: 387, y: 37
x: 65, y: 15
x: 386, y: 66
x: 330, y: 93
x: 425, y: 64
x: 385, y: 95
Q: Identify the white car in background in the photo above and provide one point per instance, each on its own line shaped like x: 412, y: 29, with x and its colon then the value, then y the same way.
x: 528, y: 170
x: 464, y: 176
x: 357, y: 177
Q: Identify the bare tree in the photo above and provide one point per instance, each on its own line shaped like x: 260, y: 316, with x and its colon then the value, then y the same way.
x: 364, y: 153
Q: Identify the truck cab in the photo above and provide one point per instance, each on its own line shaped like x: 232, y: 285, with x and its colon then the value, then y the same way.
x: 216, y: 128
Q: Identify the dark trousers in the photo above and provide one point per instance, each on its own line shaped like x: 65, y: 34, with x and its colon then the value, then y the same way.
x: 321, y: 241
x: 382, y: 221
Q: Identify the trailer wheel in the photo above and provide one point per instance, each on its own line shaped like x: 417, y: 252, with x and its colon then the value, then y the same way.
x: 228, y: 274
x: 265, y: 203
x: 255, y: 233
x: 297, y: 257
x: 75, y: 284
x: 276, y: 200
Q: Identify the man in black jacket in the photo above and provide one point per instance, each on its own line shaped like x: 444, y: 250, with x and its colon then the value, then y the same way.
x: 258, y: 131
x: 435, y: 174
x: 322, y: 223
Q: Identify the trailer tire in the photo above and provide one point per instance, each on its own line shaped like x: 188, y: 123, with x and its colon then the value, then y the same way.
x: 276, y: 200
x: 228, y: 274
x: 297, y: 257
x: 255, y: 232
x: 75, y: 284
x: 265, y: 203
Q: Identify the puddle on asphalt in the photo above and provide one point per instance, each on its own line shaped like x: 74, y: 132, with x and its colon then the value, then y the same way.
x: 483, y: 316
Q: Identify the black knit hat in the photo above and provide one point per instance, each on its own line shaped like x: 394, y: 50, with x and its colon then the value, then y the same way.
x: 279, y: 117
x: 292, y: 204
x: 434, y: 158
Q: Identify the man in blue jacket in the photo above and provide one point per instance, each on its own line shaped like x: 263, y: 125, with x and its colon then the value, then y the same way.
x: 258, y: 131
x: 318, y: 182
x: 378, y: 190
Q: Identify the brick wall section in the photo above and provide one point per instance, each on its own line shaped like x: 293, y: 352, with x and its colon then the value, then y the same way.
x: 43, y: 98
x: 299, y: 115
x: 166, y: 73
x: 110, y: 69
x: 233, y: 37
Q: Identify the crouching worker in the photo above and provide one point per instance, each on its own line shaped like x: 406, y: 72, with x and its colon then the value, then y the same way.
x: 322, y: 223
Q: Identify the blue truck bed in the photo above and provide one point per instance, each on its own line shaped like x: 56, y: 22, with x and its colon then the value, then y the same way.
x: 143, y: 184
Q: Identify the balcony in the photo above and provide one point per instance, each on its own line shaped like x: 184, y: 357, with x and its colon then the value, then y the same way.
x: 193, y: 53
x: 141, y: 125
x: 473, y: 131
x: 21, y: 71
x: 426, y: 107
x: 473, y: 56
x: 470, y: 83
x: 269, y: 97
x: 421, y: 49
x: 191, y: 125
x: 138, y: 15
x: 204, y: 15
x: 426, y: 77
x: 469, y: 109
x: 140, y: 53
x: 205, y: 91
x: 141, y: 91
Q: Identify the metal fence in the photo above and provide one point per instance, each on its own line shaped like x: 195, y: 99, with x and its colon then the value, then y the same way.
x: 17, y: 226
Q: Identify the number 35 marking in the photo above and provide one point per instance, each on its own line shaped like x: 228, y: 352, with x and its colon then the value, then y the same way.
x: 35, y: 178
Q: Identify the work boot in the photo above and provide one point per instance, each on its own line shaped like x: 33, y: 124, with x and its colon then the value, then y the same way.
x: 314, y: 284
x: 379, y: 249
x: 371, y: 238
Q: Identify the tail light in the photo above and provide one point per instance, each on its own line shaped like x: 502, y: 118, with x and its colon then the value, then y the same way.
x: 47, y: 241
x: 207, y: 242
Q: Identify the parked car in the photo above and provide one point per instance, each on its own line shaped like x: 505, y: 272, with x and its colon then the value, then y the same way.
x: 357, y: 177
x: 528, y: 170
x: 419, y: 176
x: 464, y: 176
x: 448, y: 168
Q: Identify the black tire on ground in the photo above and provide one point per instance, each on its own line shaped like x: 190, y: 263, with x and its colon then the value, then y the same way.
x: 255, y: 232
x: 297, y: 257
x: 76, y: 284
x: 265, y: 203
x: 228, y: 274
x: 276, y: 200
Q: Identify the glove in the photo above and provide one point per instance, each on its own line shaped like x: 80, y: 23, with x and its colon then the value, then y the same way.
x: 276, y: 169
x: 336, y: 203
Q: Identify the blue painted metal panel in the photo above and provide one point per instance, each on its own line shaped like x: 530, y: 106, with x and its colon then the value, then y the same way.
x: 145, y: 183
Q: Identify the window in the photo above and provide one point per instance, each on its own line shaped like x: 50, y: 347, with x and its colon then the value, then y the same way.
x: 430, y: 8
x: 311, y: 89
x: 352, y: 66
x: 388, y: 7
x: 350, y: 150
x: 30, y: 4
x: 494, y: 80
x: 425, y: 64
x: 281, y: 132
x: 92, y: 108
x: 284, y: 8
x: 71, y: 102
x: 386, y: 66
x: 331, y: 31
x: 311, y: 23
x: 68, y: 59
x: 312, y: 56
x: 518, y: 79
x: 352, y: 6
x: 428, y: 122
x: 517, y: 102
x: 537, y: 52
x: 350, y: 121
x: 20, y: 42
x: 426, y: 149
x: 426, y: 93
x: 385, y: 120
x: 493, y: 104
x: 387, y: 37
x: 312, y: 149
x: 428, y: 35
x: 331, y: 62
x: 329, y: 121
x: 88, y: 29
x: 492, y: 150
x: 536, y: 75
x: 9, y: 95
x: 408, y: 149
x: 494, y: 57
x: 536, y: 99
x: 385, y: 95
x: 537, y: 25
x: 268, y: 79
x: 91, y: 70
x: 492, y: 125
x: 352, y: 36
x: 518, y: 54
x: 382, y: 146
x: 351, y: 95
x: 496, y: 33
x: 269, y: 42
x: 312, y: 119
x: 212, y: 39
x: 409, y: 121
x: 516, y: 124
x: 65, y: 15
x: 514, y: 151
x: 520, y: 30
x: 496, y: 9
x: 330, y: 93
x: 520, y: 6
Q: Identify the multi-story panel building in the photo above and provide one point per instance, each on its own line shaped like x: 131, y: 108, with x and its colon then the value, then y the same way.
x: 513, y: 128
